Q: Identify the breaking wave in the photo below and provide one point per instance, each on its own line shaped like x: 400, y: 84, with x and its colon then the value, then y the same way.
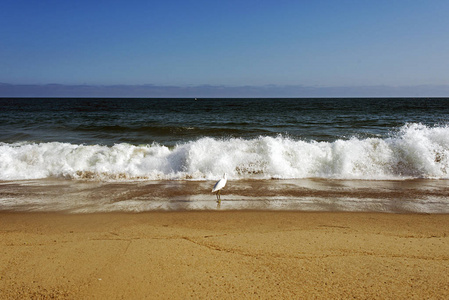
x: 415, y: 151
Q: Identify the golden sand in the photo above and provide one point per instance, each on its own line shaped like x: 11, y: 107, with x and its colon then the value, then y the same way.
x: 224, y: 255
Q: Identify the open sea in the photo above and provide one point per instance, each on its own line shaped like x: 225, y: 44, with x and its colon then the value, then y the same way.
x: 132, y: 155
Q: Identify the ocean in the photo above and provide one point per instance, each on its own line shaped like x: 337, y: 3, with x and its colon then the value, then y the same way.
x: 133, y: 155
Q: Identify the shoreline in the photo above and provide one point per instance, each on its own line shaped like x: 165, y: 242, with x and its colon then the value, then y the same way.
x: 224, y: 254
x: 410, y: 196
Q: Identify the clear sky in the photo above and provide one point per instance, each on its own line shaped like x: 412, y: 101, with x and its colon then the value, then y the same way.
x: 236, y: 43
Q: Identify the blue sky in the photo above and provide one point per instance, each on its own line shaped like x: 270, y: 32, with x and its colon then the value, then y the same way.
x: 232, y: 43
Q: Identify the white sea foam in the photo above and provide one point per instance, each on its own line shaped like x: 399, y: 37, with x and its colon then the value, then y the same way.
x: 415, y: 151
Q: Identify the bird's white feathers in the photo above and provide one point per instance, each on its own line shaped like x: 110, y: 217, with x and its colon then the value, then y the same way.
x: 220, y: 184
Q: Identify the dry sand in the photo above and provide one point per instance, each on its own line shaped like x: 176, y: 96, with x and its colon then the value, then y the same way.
x: 219, y: 255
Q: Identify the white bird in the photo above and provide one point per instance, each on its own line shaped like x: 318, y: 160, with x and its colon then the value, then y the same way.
x: 219, y: 186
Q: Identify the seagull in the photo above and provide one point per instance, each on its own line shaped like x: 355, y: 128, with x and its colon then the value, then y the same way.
x: 219, y: 186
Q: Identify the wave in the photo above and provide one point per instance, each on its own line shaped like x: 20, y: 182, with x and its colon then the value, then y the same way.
x: 414, y: 151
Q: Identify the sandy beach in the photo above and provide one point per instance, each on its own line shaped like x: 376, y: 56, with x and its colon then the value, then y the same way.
x: 227, y: 255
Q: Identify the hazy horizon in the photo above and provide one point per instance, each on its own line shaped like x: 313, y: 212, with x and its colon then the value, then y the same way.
x: 218, y: 91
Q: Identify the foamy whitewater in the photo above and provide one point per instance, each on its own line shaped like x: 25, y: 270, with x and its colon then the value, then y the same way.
x: 415, y: 151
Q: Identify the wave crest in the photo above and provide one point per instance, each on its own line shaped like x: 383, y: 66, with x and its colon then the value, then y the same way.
x: 415, y: 151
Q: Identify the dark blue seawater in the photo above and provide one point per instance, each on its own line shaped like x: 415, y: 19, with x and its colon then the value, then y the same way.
x: 173, y: 121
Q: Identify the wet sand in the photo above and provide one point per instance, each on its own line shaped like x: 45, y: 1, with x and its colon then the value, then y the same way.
x: 78, y: 196
x: 224, y: 255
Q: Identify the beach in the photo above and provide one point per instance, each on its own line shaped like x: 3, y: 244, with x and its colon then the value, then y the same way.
x: 224, y: 255
x: 332, y: 198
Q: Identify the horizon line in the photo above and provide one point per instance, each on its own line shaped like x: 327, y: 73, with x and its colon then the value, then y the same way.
x: 220, y: 91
